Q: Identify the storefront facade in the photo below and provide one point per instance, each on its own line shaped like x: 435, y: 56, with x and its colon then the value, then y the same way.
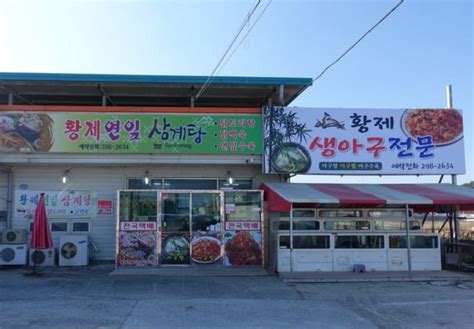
x: 155, y: 177
x: 148, y: 143
x: 101, y: 183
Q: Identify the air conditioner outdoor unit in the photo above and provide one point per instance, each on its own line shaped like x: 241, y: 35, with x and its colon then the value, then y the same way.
x: 14, y: 236
x: 44, y: 257
x: 73, y: 250
x: 11, y: 254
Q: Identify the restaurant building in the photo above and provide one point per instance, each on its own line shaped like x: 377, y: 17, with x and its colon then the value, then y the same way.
x: 82, y: 138
x: 138, y: 171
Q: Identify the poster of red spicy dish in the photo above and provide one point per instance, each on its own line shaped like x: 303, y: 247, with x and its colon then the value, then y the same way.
x: 243, y: 248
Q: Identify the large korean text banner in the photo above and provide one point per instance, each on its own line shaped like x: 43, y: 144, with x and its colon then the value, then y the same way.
x: 363, y: 141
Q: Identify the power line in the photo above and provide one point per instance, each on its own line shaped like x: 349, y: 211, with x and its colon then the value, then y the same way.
x: 245, y: 36
x: 242, y: 26
x: 357, y: 42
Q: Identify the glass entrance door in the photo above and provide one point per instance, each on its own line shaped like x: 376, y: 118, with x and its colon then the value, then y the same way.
x: 206, y: 228
x: 175, y: 228
x: 191, y: 227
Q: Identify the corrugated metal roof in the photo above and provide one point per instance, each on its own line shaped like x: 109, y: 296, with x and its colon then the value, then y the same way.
x: 146, y: 90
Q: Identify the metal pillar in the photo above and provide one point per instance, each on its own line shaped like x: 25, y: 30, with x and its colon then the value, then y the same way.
x: 454, y: 180
x: 10, y: 99
x: 407, y: 225
x: 10, y: 199
x: 281, y: 95
x: 291, y: 241
x: 9, y: 173
x: 432, y: 222
x: 449, y: 105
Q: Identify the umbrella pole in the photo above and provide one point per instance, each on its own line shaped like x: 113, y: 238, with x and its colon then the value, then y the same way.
x: 34, y: 263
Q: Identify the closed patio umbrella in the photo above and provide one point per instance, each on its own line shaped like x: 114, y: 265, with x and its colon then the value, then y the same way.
x: 40, y: 236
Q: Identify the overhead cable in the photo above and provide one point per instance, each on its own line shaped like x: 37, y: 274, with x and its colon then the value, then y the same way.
x: 245, y: 36
x: 358, y: 41
x: 242, y: 26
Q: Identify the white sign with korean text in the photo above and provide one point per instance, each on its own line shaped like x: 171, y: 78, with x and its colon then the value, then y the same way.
x: 59, y: 204
x: 242, y: 226
x: 138, y: 226
x: 335, y: 141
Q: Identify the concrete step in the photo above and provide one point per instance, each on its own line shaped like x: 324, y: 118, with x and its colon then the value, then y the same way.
x: 185, y: 271
x: 378, y: 276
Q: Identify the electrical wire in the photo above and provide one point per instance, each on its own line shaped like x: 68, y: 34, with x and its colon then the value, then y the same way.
x: 242, y: 26
x: 356, y: 43
x: 245, y: 36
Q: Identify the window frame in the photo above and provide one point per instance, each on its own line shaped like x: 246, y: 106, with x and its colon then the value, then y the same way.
x: 348, y: 221
x: 81, y: 222
x: 162, y: 180
x: 412, y: 244
x: 326, y: 236
x: 337, y: 210
x: 295, y: 222
x: 59, y: 221
x: 380, y: 237
x: 412, y: 223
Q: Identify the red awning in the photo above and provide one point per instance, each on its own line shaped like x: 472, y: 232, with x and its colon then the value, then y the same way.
x: 422, y: 197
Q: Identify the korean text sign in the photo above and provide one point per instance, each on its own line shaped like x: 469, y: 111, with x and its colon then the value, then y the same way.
x: 363, y: 141
x: 59, y: 204
x: 131, y: 133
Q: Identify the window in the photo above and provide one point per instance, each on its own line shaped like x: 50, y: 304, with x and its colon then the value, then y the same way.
x: 340, y: 213
x: 388, y: 213
x: 395, y: 225
x: 80, y: 227
x: 239, y: 184
x: 303, y: 213
x: 416, y: 242
x: 359, y: 242
x: 190, y: 184
x: 284, y: 242
x: 305, y: 242
x: 310, y: 242
x: 353, y: 225
x: 242, y: 206
x: 299, y: 225
x: 139, y: 184
x: 59, y: 227
x: 205, y: 210
x: 284, y: 214
x: 138, y: 206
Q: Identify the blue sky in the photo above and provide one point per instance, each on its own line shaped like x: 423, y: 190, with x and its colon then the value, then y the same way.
x: 406, y: 62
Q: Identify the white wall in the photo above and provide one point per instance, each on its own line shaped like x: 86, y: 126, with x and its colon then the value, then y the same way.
x: 106, y: 180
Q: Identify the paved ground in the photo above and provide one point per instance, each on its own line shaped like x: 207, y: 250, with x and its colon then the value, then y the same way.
x: 88, y: 298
